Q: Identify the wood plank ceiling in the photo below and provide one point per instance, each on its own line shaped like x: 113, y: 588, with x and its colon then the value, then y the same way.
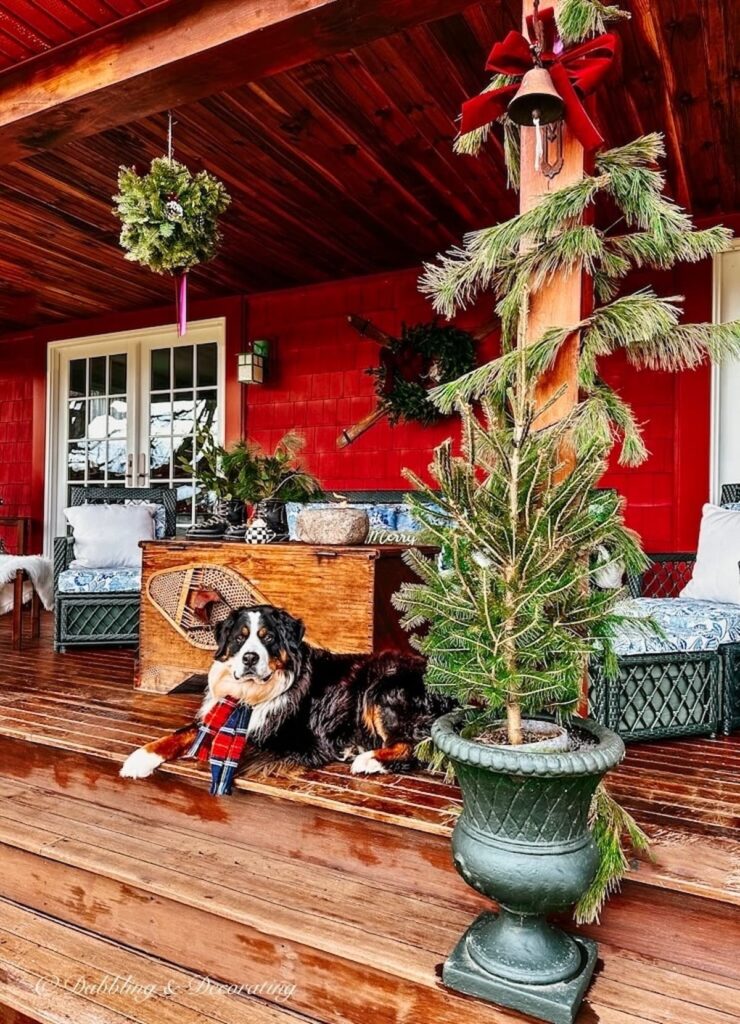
x: 30, y: 27
x: 344, y: 166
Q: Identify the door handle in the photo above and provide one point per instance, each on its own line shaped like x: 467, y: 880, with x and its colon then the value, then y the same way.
x: 142, y: 468
x: 130, y: 470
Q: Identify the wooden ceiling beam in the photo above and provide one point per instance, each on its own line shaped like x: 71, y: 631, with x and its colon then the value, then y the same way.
x: 174, y: 54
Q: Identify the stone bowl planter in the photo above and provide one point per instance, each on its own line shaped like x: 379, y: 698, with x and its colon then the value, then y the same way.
x: 523, y: 840
x: 339, y: 525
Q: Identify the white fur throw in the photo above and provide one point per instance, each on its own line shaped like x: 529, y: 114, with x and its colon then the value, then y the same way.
x: 41, y: 576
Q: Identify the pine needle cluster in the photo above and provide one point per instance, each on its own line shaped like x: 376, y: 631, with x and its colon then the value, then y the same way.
x: 169, y: 216
x: 510, y: 614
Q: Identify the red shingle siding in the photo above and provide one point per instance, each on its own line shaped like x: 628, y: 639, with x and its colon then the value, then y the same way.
x: 16, y: 431
x: 317, y: 383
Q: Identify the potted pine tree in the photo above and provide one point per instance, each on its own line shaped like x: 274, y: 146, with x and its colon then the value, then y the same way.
x: 511, y: 616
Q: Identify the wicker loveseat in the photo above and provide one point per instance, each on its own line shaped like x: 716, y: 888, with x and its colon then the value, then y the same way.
x: 98, y: 606
x: 662, y: 693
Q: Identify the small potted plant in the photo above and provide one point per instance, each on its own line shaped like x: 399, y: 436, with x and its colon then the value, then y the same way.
x: 223, y: 472
x: 272, y: 480
x: 244, y: 474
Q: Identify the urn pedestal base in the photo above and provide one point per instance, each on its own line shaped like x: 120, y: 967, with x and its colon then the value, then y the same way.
x: 556, y: 1002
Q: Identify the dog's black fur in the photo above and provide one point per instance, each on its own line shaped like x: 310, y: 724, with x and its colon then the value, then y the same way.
x: 337, y: 704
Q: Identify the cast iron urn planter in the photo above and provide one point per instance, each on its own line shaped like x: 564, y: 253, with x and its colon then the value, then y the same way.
x: 523, y: 840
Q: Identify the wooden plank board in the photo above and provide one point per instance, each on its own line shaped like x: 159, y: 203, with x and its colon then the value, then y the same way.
x: 152, y: 62
x: 56, y: 973
x: 116, y: 873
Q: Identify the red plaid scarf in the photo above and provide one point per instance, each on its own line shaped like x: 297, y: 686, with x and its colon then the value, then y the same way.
x: 221, y: 740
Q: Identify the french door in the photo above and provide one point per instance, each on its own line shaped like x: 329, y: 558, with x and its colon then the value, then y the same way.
x: 130, y: 410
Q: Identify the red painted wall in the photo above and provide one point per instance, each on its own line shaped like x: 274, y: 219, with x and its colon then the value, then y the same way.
x: 665, y: 495
x: 317, y: 380
x: 317, y: 383
x: 18, y: 366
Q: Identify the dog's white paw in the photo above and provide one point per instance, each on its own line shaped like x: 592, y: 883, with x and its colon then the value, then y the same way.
x: 140, y: 764
x: 367, y: 764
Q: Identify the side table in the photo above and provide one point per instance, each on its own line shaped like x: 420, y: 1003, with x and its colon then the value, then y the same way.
x: 23, y: 529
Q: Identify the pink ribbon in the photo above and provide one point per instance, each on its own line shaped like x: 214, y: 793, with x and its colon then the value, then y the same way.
x: 181, y: 302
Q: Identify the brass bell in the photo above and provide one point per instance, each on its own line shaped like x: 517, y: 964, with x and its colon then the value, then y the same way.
x: 538, y: 98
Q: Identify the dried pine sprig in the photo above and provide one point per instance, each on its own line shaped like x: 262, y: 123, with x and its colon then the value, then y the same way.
x: 610, y: 825
x: 577, y: 20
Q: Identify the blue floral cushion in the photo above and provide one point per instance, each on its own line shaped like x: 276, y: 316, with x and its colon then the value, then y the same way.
x: 98, y: 581
x: 688, y: 625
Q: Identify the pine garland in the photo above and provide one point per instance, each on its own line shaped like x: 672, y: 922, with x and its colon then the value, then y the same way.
x: 609, y: 822
x: 169, y: 216
x: 524, y: 253
x: 511, y: 617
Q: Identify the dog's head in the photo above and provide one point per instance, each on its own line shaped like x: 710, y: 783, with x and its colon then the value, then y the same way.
x: 261, y: 648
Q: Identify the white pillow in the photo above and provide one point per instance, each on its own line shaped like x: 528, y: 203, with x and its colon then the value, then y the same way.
x: 158, y: 511
x: 716, y: 575
x: 107, y: 536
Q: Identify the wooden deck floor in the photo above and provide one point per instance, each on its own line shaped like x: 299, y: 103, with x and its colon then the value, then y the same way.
x: 348, y: 890
x: 683, y: 792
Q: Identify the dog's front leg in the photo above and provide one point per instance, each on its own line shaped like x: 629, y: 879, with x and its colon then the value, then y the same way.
x: 395, y: 758
x: 147, y: 759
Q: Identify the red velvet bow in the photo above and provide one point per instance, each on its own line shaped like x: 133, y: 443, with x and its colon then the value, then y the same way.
x: 575, y: 73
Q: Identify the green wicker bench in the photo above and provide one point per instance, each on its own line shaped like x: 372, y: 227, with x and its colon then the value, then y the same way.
x: 82, y: 619
x: 664, y: 695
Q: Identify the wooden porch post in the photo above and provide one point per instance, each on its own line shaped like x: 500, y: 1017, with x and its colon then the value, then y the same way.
x: 560, y: 301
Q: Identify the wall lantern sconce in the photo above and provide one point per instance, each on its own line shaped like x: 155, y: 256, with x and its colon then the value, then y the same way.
x: 252, y: 365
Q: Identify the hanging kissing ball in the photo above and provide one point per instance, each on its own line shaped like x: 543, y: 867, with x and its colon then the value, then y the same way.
x: 173, y: 210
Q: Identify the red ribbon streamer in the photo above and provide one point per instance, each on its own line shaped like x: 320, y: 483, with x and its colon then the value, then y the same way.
x: 181, y: 303
x: 575, y: 73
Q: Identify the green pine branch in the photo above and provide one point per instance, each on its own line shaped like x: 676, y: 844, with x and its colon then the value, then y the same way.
x: 610, y: 826
x: 578, y: 20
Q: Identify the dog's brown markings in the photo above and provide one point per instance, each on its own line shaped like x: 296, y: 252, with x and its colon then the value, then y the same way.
x: 280, y: 663
x: 398, y: 752
x: 372, y: 718
x: 245, y: 630
x: 175, y: 745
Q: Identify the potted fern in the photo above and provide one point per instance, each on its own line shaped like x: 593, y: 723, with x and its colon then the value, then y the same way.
x: 277, y: 478
x: 511, y: 617
x: 244, y: 474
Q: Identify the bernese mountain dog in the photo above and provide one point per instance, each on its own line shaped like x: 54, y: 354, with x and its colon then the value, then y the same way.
x: 310, y: 706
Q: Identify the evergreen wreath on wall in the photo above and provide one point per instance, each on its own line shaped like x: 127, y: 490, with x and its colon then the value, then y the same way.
x: 424, y: 356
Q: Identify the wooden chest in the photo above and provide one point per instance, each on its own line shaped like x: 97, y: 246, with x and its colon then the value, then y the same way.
x: 343, y: 595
